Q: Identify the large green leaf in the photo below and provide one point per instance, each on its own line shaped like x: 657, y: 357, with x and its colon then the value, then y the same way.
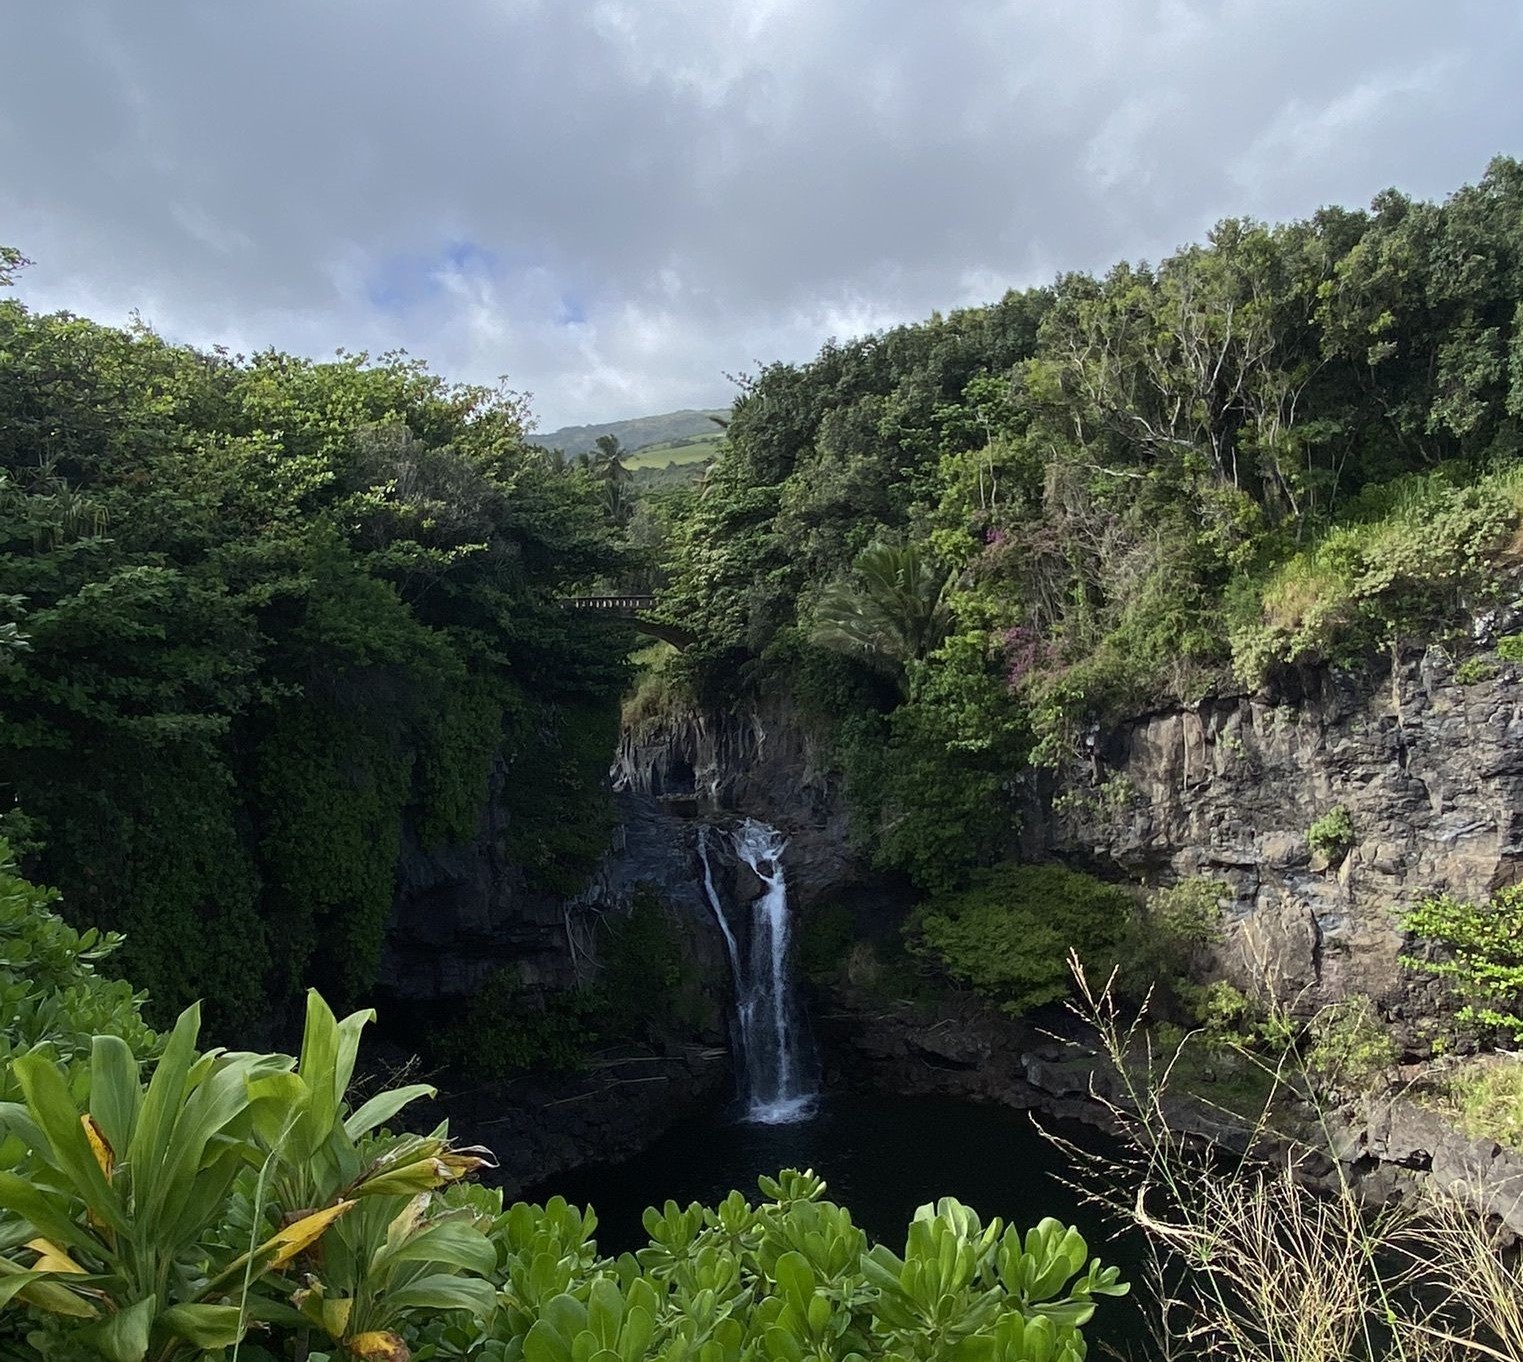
x: 44, y: 1212
x: 207, y: 1326
x: 115, y: 1093
x: 383, y: 1106
x: 124, y: 1336
x: 451, y: 1243
x: 442, y: 1291
x: 12, y: 1284
x: 318, y: 1067
x: 40, y: 1289
x: 149, y: 1144
x: 214, y: 1105
x: 16, y: 1119
x: 53, y: 1108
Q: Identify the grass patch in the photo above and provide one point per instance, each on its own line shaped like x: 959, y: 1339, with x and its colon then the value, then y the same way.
x: 1217, y: 1071
x: 1409, y: 555
x: 698, y: 449
x: 1485, y: 1097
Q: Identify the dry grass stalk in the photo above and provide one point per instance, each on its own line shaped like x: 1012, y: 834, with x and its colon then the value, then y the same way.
x: 1252, y: 1258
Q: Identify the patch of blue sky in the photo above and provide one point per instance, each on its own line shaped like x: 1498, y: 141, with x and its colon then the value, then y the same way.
x: 401, y: 282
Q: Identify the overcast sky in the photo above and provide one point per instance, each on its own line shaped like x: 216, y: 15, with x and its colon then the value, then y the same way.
x: 616, y: 202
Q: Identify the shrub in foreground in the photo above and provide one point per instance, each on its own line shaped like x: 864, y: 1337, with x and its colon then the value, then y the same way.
x: 234, y: 1205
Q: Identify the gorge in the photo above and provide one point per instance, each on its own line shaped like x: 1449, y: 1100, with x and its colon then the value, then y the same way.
x: 1428, y: 767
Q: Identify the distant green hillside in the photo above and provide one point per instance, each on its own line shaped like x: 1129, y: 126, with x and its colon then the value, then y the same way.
x: 640, y: 432
x: 699, y: 449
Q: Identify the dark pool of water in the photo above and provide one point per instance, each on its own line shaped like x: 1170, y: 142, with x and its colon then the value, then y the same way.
x: 882, y: 1157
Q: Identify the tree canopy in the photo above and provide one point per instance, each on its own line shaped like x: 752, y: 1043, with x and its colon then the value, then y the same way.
x: 1285, y: 444
x: 261, y: 619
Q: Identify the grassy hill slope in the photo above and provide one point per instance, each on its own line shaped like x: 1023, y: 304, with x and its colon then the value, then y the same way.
x: 638, y: 433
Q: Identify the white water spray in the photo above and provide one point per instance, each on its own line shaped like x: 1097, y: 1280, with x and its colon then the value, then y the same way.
x: 777, y: 1089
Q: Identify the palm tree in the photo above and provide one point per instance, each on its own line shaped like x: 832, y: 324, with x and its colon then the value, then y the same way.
x: 608, y: 462
x: 605, y: 463
x: 892, y: 610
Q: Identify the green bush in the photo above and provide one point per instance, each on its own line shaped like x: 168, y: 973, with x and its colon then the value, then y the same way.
x: 649, y: 986
x: 502, y: 1032
x: 792, y: 1278
x: 1232, y: 1020
x: 1510, y: 648
x: 1482, y: 955
x: 825, y: 937
x: 1333, y: 834
x: 1347, y: 1046
x: 929, y: 783
x: 1166, y: 937
x: 1009, y: 934
x: 50, y: 993
x: 1473, y: 671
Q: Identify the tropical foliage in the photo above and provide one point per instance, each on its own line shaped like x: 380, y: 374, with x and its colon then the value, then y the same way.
x: 165, y: 1219
x: 236, y: 1201
x: 263, y: 621
x: 1010, y: 933
x: 50, y: 993
x: 1287, y: 444
x: 1479, y: 952
x: 889, y: 612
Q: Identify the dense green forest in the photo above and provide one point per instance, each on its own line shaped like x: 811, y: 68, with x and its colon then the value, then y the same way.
x: 266, y: 619
x: 264, y: 616
x: 963, y: 544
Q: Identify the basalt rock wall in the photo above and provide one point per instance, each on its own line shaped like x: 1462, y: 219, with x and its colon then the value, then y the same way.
x: 462, y: 914
x: 760, y: 760
x: 1429, y: 770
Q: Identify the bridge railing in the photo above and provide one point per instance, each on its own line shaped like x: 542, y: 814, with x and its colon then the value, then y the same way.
x: 630, y: 604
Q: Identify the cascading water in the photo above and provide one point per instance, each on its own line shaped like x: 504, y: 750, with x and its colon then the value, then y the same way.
x: 774, y: 1068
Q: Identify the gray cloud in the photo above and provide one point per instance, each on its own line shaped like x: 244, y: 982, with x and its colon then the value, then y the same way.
x: 614, y: 202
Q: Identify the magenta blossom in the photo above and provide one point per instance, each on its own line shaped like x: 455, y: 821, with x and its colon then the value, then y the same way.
x: 1024, y: 649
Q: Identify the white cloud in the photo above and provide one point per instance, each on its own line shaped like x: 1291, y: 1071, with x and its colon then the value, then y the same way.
x: 643, y: 195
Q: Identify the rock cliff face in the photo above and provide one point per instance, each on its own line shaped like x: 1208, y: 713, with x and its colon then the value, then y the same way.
x: 464, y: 913
x: 1387, y: 1144
x: 761, y: 761
x: 1430, y: 772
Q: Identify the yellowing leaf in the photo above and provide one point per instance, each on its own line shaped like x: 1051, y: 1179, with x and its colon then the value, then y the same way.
x: 460, y: 1162
x: 378, y: 1346
x: 331, y: 1315
x: 51, y: 1258
x: 100, y: 1146
x: 303, y: 1233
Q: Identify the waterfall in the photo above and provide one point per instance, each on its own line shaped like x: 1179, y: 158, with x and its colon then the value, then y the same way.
x: 773, y: 1067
